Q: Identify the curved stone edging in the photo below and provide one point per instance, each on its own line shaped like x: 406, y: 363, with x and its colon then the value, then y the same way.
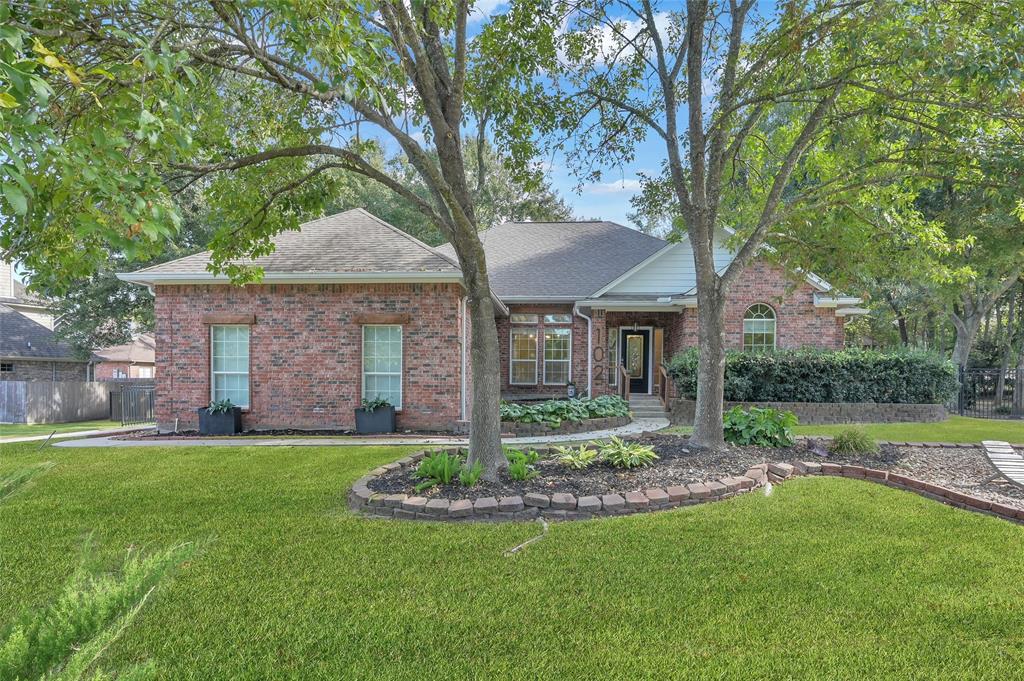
x: 565, y: 428
x: 565, y: 506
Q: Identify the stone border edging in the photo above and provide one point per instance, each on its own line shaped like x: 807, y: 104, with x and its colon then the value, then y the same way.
x: 518, y: 429
x: 565, y: 506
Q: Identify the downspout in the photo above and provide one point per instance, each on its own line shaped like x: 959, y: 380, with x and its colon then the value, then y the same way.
x: 462, y: 387
x: 590, y: 350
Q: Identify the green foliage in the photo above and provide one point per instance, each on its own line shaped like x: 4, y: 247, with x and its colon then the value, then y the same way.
x: 521, y: 464
x: 627, y: 455
x: 578, y: 459
x: 220, y: 406
x: 373, y: 404
x: 469, y: 475
x: 439, y: 468
x: 63, y: 639
x: 553, y: 412
x: 764, y: 427
x: 904, y: 377
x: 853, y: 441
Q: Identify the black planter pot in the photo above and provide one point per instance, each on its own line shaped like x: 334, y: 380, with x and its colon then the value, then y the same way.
x: 380, y: 420
x: 227, y: 423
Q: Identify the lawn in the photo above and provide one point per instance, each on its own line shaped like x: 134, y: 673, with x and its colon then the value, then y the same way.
x: 954, y: 429
x: 825, y: 578
x: 27, y: 429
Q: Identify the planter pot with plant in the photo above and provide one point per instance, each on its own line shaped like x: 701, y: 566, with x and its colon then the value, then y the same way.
x: 375, y: 416
x: 220, y: 418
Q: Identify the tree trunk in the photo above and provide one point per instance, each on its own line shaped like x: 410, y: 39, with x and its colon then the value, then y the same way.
x: 707, y: 419
x: 967, y: 326
x: 1004, y: 364
x: 1018, y: 384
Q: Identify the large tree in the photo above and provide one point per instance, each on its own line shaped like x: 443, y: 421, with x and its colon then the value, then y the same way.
x: 259, y: 101
x: 790, y: 112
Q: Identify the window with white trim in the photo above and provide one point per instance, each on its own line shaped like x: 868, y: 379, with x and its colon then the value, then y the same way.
x: 519, y: 318
x: 557, y: 355
x: 558, y: 319
x: 229, y: 363
x: 382, y: 363
x: 523, y: 357
x: 613, y: 356
x: 759, y: 329
x: 6, y: 367
x: 145, y: 372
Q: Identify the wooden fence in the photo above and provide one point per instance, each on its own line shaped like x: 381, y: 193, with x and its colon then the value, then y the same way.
x: 55, y: 402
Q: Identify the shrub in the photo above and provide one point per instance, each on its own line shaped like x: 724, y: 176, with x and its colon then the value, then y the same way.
x: 627, y: 455
x: 469, y: 475
x: 764, y: 427
x: 904, y: 377
x: 369, y: 406
x: 520, y: 464
x: 439, y: 468
x: 553, y: 412
x: 577, y: 458
x: 220, y: 406
x: 853, y: 441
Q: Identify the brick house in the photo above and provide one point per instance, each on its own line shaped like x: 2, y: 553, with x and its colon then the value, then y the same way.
x: 128, y: 360
x: 350, y: 306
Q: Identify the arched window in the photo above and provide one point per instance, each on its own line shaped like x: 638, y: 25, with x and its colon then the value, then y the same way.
x: 759, y: 329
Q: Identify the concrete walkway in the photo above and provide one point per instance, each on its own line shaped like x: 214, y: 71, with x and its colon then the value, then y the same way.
x: 634, y: 428
x: 73, y: 433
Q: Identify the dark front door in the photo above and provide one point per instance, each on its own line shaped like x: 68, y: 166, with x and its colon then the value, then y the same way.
x: 636, y: 354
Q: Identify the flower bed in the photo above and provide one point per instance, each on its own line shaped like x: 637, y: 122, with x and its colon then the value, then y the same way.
x: 564, y: 428
x: 681, y: 476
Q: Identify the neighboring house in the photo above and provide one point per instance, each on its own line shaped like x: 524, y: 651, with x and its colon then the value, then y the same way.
x: 350, y: 306
x: 14, y: 296
x: 130, y: 360
x: 30, y: 351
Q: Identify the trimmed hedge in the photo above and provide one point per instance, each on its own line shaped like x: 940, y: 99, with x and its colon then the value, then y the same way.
x: 905, y: 377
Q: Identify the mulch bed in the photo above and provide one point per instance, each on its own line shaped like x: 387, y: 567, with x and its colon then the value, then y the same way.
x: 963, y: 469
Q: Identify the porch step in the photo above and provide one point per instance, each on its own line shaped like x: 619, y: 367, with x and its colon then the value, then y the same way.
x: 646, y: 407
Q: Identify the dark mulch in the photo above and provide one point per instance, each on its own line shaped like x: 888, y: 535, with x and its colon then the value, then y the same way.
x: 679, y: 464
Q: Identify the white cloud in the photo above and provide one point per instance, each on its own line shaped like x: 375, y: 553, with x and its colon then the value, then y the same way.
x: 612, y: 38
x: 618, y: 187
x: 483, y: 9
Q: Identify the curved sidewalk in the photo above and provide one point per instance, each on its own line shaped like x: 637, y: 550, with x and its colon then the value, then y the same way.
x: 634, y: 428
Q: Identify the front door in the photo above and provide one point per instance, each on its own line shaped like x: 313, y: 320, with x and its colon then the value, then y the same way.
x: 636, y: 349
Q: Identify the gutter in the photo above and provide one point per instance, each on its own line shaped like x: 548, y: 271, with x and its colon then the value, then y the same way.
x: 590, y: 349
x: 462, y: 388
x: 291, y: 277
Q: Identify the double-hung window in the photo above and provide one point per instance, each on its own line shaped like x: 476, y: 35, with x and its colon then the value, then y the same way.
x: 382, y: 363
x: 229, y: 364
x: 557, y: 355
x: 523, y: 365
x: 759, y: 329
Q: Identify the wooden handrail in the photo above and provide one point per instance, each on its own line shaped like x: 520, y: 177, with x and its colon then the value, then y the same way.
x: 663, y: 385
x: 623, y: 383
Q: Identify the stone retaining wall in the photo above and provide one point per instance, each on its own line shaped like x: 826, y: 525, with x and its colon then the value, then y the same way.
x: 826, y: 413
x: 564, y: 506
x: 565, y: 428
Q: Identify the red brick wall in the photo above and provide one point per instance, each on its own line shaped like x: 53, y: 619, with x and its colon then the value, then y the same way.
x: 305, y: 352
x: 44, y: 370
x: 798, y: 323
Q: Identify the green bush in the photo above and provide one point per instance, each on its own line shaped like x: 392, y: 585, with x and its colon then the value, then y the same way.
x: 577, y: 458
x: 904, y: 377
x: 469, y: 475
x: 853, y: 441
x: 520, y: 464
x: 763, y: 427
x: 553, y: 412
x: 439, y: 468
x: 627, y: 455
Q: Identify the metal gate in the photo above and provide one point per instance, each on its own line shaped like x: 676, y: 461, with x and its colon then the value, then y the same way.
x: 133, y: 403
x: 991, y: 394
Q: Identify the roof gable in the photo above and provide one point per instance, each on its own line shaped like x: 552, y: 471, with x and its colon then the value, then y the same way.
x: 349, y: 243
x: 23, y: 337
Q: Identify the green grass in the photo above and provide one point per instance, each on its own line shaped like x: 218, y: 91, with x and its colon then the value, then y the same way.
x: 954, y: 429
x: 826, y: 578
x: 27, y: 429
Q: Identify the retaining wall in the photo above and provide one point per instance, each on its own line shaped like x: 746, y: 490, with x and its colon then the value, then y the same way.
x: 825, y: 413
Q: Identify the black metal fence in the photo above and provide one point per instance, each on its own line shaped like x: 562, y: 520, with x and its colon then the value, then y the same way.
x: 990, y: 394
x: 133, y: 404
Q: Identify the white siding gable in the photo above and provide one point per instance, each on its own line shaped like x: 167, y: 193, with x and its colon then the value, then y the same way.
x: 670, y: 272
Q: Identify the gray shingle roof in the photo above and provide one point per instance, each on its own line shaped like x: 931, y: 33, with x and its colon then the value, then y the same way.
x: 22, y: 337
x: 351, y: 241
x: 560, y: 259
x: 142, y: 349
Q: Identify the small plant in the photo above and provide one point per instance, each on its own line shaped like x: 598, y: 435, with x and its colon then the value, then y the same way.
x: 758, y: 426
x: 853, y: 441
x: 628, y: 455
x: 577, y: 458
x: 553, y: 412
x: 469, y: 475
x: 439, y: 468
x: 220, y: 406
x: 520, y: 464
x: 369, y: 406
